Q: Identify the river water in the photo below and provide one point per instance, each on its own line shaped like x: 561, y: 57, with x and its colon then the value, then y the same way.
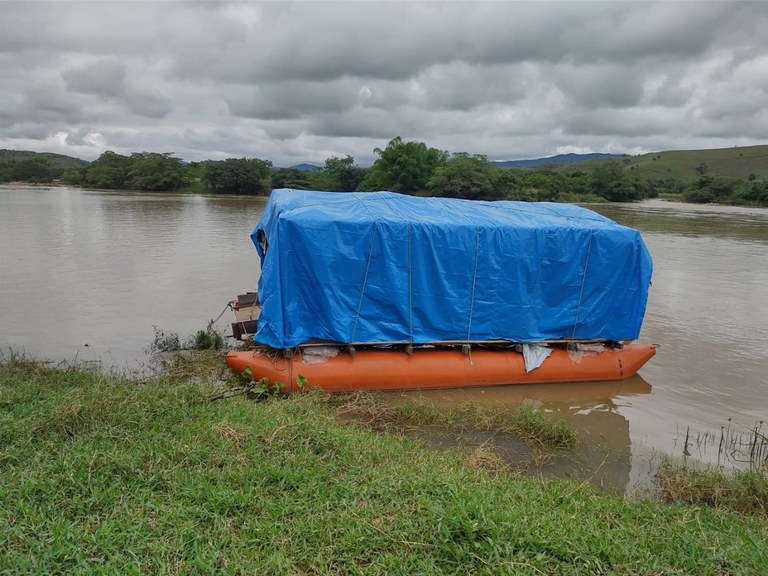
x: 87, y: 275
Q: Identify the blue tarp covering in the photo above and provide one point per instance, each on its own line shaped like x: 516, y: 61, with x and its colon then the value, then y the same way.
x: 382, y: 267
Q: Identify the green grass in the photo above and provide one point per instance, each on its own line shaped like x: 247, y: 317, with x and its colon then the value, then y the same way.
x: 101, y: 475
x: 681, y: 165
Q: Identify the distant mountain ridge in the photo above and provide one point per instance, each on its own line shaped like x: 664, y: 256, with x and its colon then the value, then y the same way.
x: 306, y: 167
x: 570, y: 158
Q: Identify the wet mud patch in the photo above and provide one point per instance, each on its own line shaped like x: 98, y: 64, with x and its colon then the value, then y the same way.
x: 522, y: 438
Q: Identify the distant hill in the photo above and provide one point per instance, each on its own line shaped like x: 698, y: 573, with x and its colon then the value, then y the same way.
x: 55, y: 160
x: 305, y: 167
x: 687, y: 165
x: 558, y: 159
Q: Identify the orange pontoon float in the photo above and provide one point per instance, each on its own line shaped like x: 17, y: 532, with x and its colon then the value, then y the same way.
x: 377, y: 369
x: 417, y: 293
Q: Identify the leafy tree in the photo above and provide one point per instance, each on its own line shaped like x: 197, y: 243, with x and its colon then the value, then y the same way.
x: 541, y: 185
x: 340, y: 175
x: 194, y: 176
x: 465, y: 176
x: 153, y: 171
x: 566, y: 185
x: 30, y: 169
x: 74, y: 176
x: 290, y: 178
x: 757, y: 192
x: 712, y: 188
x: 239, y: 175
x: 33, y: 170
x: 532, y: 186
x: 506, y: 180
x: 665, y: 186
x: 610, y: 180
x: 403, y: 167
x: 110, y: 170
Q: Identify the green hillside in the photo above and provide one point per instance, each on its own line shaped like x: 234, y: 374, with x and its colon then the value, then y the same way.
x: 54, y: 160
x: 36, y: 167
x: 687, y: 165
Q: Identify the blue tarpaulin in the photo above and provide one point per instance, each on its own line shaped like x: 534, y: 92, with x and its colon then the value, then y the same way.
x: 384, y: 267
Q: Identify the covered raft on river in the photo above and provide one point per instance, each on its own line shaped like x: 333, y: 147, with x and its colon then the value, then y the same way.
x: 434, y: 292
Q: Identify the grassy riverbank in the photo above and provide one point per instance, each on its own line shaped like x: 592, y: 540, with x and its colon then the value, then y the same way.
x: 104, y: 475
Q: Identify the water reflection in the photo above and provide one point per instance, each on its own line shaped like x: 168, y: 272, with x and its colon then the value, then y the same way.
x: 603, y: 455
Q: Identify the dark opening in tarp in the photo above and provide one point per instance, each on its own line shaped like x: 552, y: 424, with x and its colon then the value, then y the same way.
x: 384, y: 267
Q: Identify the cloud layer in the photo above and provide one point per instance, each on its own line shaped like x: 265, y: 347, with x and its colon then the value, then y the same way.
x: 301, y: 82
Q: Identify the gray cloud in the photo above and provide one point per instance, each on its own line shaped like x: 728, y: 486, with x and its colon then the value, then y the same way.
x: 620, y: 123
x: 104, y: 78
x: 293, y: 99
x: 354, y: 123
x: 302, y: 81
x: 152, y: 106
x: 596, y: 85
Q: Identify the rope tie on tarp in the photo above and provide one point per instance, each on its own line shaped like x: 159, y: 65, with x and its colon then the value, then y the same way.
x: 583, y: 281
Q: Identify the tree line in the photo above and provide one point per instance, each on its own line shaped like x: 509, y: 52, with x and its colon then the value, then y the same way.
x: 407, y: 167
x: 32, y: 170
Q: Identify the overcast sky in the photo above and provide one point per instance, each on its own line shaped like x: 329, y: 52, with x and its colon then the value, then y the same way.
x: 296, y: 82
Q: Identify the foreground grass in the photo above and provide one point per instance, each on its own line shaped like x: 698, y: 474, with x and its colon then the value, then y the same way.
x: 100, y: 475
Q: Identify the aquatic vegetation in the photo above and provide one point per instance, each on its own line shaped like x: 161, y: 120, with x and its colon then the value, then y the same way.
x: 207, y: 339
x: 745, y: 491
x: 738, y: 481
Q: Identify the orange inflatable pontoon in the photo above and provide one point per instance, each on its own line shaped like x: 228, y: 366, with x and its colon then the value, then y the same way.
x: 389, y: 369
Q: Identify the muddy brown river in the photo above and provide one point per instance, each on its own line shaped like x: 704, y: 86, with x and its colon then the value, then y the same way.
x: 86, y: 275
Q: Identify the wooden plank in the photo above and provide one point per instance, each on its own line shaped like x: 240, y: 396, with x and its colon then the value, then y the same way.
x: 241, y: 330
x: 247, y: 310
x: 247, y: 299
x: 248, y: 313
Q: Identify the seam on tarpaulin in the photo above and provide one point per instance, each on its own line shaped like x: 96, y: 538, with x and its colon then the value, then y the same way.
x: 474, y: 282
x: 410, y: 284
x: 583, y: 281
x: 532, y: 301
x: 367, y: 268
x: 474, y: 274
x: 410, y: 269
